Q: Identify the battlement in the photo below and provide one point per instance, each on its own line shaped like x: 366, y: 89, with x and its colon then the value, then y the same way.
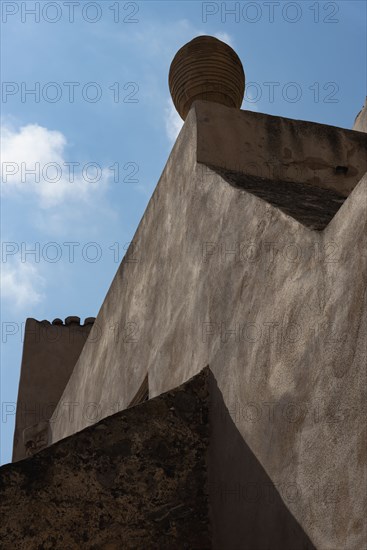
x: 50, y: 352
x: 71, y: 320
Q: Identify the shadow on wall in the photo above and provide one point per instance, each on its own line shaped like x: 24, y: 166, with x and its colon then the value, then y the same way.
x: 247, y: 511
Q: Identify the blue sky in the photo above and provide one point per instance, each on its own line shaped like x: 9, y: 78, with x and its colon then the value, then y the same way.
x: 310, y: 55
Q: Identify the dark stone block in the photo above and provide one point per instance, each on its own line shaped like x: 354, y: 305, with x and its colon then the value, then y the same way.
x: 137, y: 479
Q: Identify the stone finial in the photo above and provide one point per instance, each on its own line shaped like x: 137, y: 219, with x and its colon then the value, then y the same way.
x: 206, y: 68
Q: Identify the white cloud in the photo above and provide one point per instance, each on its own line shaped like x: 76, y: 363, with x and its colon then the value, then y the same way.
x: 21, y: 284
x: 173, y: 121
x: 35, y: 148
x: 224, y: 37
x: 250, y: 106
x: 165, y: 40
x: 251, y: 99
x: 163, y: 43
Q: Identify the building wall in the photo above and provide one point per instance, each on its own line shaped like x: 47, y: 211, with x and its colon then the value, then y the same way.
x: 279, y: 149
x: 50, y: 353
x: 218, y: 276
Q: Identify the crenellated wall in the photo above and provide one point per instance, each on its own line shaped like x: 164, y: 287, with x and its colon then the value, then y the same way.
x: 50, y: 352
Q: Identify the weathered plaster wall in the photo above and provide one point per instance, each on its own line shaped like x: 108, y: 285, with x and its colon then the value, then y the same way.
x: 280, y: 149
x: 136, y: 480
x: 50, y: 352
x: 276, y: 309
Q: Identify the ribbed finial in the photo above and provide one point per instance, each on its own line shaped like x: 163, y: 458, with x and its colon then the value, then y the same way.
x: 206, y: 68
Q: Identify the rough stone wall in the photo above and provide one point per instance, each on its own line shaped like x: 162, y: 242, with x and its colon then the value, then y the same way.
x: 137, y: 479
x: 50, y: 352
x: 277, y: 309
